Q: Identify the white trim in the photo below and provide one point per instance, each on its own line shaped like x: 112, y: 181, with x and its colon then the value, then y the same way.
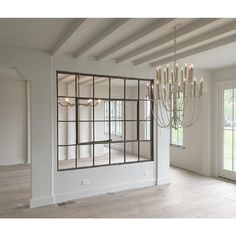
x: 42, y: 201
x: 28, y: 105
x: 219, y: 114
x: 97, y: 191
x: 163, y: 181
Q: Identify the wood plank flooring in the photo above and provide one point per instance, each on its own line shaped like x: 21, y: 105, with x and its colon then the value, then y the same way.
x: 188, y: 196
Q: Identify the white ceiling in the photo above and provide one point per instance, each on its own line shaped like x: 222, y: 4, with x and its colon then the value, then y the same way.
x: 208, y: 43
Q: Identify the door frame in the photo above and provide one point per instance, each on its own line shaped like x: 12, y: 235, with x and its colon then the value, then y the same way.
x: 221, y: 86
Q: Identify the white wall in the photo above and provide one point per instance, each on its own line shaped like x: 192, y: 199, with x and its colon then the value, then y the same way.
x: 13, y: 121
x: 196, y: 155
x: 48, y: 185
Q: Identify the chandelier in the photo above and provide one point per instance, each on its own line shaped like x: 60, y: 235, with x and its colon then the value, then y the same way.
x: 89, y: 103
x: 178, y: 94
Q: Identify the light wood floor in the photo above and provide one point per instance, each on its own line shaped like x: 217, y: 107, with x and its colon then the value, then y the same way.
x: 189, y: 195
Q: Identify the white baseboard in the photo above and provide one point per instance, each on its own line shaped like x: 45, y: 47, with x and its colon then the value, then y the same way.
x: 12, y: 162
x: 163, y: 181
x: 43, y: 201
x: 97, y: 191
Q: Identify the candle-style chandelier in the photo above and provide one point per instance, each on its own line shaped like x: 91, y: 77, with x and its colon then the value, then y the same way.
x: 178, y: 94
x: 89, y: 103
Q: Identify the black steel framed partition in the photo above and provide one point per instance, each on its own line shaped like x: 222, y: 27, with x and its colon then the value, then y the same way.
x: 132, y: 121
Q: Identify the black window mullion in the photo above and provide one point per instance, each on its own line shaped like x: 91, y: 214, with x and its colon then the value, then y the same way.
x: 138, y: 122
x: 93, y: 126
x: 151, y: 125
x: 124, y: 109
x: 109, y: 120
x: 76, y: 124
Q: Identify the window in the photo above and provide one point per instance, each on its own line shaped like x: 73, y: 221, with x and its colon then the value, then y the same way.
x: 116, y: 115
x: 100, y: 121
x: 177, y: 136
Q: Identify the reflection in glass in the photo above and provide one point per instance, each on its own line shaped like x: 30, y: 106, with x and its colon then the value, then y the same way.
x: 85, y: 86
x: 117, y: 153
x: 66, y: 157
x: 131, y: 130
x: 84, y: 155
x: 101, y: 154
x: 66, y: 85
x: 131, y: 89
x: 131, y: 110
x: 66, y: 133
x: 131, y: 151
x: 145, y: 151
x: 117, y: 88
x: 101, y: 89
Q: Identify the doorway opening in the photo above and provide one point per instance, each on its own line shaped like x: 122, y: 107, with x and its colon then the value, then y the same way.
x: 15, y: 159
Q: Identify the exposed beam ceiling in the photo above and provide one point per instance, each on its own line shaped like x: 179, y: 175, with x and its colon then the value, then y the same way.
x: 137, y: 36
x: 196, y: 50
x: 98, y: 38
x: 190, y: 42
x: 67, y: 36
x: 165, y: 39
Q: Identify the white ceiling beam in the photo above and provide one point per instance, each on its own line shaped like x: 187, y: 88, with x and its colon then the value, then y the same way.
x: 140, y: 34
x: 165, y: 39
x: 190, y: 42
x: 196, y: 50
x: 67, y: 36
x: 108, y: 31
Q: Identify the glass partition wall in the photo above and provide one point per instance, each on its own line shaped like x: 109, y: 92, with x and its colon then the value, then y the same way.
x: 102, y: 120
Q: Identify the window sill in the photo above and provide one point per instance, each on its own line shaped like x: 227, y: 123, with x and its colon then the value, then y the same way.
x: 177, y: 146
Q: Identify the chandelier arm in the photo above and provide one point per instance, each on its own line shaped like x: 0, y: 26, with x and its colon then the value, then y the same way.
x: 158, y: 122
x: 160, y: 114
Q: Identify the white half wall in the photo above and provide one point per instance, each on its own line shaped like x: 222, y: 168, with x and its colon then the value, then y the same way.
x: 13, y: 121
x: 111, y: 178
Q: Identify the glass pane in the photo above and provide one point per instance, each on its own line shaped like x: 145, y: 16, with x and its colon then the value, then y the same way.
x: 131, y: 89
x: 66, y: 85
x: 174, y: 136
x: 143, y: 90
x: 66, y: 109
x: 117, y: 88
x: 66, y: 157
x: 180, y: 136
x: 85, y: 132
x: 117, y: 130
x: 228, y: 108
x: 144, y: 130
x: 145, y: 151
x: 85, y: 155
x: 85, y: 109
x: 131, y: 110
x: 131, y: 130
x: 131, y: 151
x: 101, y: 154
x: 101, y: 133
x: 101, y: 110
x: 228, y: 149
x: 234, y: 158
x: 66, y: 133
x: 85, y: 86
x: 144, y: 110
x: 117, y: 110
x: 101, y: 87
x: 117, y: 153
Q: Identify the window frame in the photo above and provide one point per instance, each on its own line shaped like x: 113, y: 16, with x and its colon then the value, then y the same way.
x: 109, y: 142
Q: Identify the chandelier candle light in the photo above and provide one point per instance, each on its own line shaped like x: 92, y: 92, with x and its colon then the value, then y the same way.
x: 88, y: 103
x: 178, y: 95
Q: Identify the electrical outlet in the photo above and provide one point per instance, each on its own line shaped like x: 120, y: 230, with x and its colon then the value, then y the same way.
x: 85, y: 182
x: 147, y: 173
